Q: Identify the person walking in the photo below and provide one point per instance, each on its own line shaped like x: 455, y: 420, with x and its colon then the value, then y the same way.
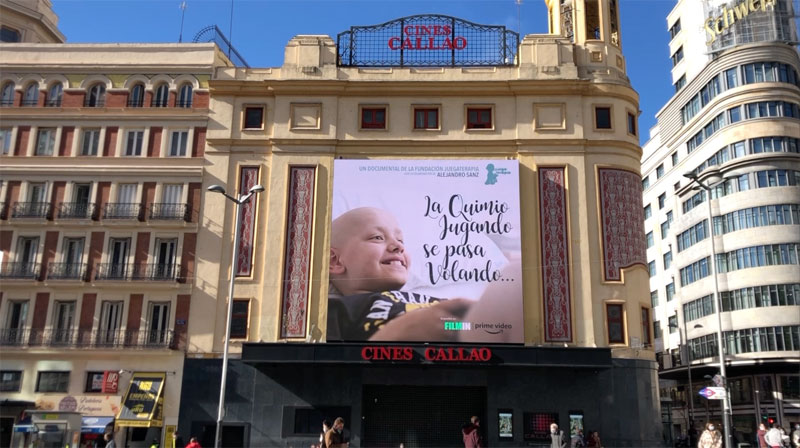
x: 711, y: 437
x: 334, y: 438
x: 193, y: 443
x: 774, y: 437
x: 471, y: 433
x: 796, y: 436
x: 594, y: 440
x: 761, y: 434
x: 557, y: 437
x: 109, y: 438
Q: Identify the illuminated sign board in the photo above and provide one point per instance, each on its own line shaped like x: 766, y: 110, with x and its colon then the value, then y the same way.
x: 428, y: 354
x: 721, y: 24
x: 427, y: 41
x: 425, y: 250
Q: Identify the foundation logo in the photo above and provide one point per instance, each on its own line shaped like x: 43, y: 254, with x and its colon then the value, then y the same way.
x: 492, y: 173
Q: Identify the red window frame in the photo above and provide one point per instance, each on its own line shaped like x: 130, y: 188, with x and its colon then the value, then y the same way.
x: 371, y: 118
x: 479, y: 118
x: 427, y: 113
x: 617, y: 320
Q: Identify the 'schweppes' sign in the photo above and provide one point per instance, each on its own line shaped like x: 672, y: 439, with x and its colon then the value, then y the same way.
x: 427, y: 41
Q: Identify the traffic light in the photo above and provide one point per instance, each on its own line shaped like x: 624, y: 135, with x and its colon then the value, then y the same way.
x: 770, y: 421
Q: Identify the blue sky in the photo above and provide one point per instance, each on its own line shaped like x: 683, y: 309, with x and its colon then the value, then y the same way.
x: 261, y: 28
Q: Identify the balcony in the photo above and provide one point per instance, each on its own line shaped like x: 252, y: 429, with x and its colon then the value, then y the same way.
x: 35, y: 210
x: 53, y: 103
x: 137, y: 272
x: 19, y: 271
x: 6, y: 102
x: 75, y: 210
x: 135, y: 102
x: 66, y: 271
x: 169, y: 212
x: 121, y: 210
x: 81, y: 339
x: 30, y: 103
x: 99, y: 102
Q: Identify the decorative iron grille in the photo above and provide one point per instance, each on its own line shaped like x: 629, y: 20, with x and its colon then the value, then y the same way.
x: 212, y: 33
x: 429, y: 40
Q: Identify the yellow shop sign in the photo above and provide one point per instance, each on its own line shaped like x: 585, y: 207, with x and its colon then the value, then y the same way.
x: 716, y: 26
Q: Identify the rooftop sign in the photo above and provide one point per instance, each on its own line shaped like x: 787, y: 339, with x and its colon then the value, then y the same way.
x: 427, y: 41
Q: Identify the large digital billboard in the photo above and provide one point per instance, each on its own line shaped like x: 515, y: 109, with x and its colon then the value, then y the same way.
x: 425, y: 250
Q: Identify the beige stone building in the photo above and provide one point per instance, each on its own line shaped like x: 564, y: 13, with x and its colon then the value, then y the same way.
x: 558, y: 108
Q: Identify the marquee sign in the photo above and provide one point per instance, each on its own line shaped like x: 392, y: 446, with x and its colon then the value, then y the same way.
x: 427, y: 41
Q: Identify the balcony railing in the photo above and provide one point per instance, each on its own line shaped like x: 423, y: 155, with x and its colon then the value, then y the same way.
x: 99, y: 102
x: 137, y: 272
x: 53, y: 103
x: 135, y: 102
x: 6, y: 103
x: 169, y: 212
x: 66, y: 271
x: 122, y: 210
x: 74, y: 338
x: 30, y: 210
x: 30, y: 103
x: 75, y: 210
x: 19, y: 271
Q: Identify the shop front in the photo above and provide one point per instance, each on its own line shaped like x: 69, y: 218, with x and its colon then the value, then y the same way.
x: 421, y: 394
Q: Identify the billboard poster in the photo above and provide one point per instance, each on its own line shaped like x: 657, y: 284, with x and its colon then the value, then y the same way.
x: 425, y: 250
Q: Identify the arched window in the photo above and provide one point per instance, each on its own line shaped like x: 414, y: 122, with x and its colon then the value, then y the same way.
x: 185, y: 96
x: 161, y: 98
x: 96, y: 96
x: 31, y: 97
x: 136, y: 98
x: 7, y: 94
x: 54, y: 95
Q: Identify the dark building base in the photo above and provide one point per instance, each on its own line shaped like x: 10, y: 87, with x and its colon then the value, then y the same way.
x: 280, y: 402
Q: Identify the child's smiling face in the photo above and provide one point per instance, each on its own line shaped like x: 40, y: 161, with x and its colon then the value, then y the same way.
x: 367, y: 252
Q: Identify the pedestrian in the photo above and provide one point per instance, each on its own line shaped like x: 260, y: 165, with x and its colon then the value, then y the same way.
x: 471, y: 433
x: 177, y: 440
x: 193, y: 443
x: 577, y: 440
x: 773, y: 437
x: 761, y: 434
x: 155, y: 444
x: 784, y: 437
x: 594, y: 440
x: 711, y: 437
x: 326, y: 426
x: 796, y: 436
x: 334, y: 438
x: 109, y: 438
x: 557, y: 437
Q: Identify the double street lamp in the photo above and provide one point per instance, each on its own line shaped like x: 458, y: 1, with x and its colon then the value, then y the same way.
x: 711, y: 182
x: 239, y: 201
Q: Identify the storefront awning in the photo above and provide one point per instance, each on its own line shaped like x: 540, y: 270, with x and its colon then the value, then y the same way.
x: 24, y: 428
x: 95, y: 425
x: 144, y: 402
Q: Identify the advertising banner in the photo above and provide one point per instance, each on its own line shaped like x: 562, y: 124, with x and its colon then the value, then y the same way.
x: 95, y: 405
x: 143, y: 403
x: 425, y: 250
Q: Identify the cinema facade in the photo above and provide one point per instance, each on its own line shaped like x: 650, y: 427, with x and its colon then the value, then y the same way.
x: 503, y: 172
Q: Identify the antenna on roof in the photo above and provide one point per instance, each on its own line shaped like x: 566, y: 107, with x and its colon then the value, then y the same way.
x: 183, y: 13
x: 519, y: 16
x: 230, y: 33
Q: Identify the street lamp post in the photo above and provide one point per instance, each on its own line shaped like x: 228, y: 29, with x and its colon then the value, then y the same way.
x: 685, y: 344
x: 242, y: 199
x: 726, y: 403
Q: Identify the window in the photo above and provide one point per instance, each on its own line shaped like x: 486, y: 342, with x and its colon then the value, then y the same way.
x: 158, y: 315
x: 654, y: 298
x: 675, y: 29
x: 54, y: 95
x: 64, y: 318
x: 133, y: 147
x: 731, y: 77
x: 645, y: 182
x: 665, y: 229
x: 616, y: 326
x: 254, y: 117
x: 680, y: 83
x: 373, y: 118
x: 45, y: 142
x: 31, y: 97
x: 645, y: 326
x: 673, y: 324
x: 110, y: 320
x: 631, y: 124
x: 649, y: 239
x: 677, y: 56
x: 670, y: 291
x: 426, y: 118
x: 161, y: 97
x: 479, y: 118
x: 656, y: 329
x: 651, y: 268
x: 662, y: 200
x: 592, y: 19
x: 136, y: 97
x: 602, y: 118
x: 698, y: 308
x: 53, y: 382
x: 648, y: 211
x: 675, y: 158
x: 96, y: 96
x: 9, y: 35
x: 177, y: 146
x: 91, y: 141
x: 240, y: 319
x: 695, y: 271
x: 790, y: 386
x: 10, y: 380
x: 660, y: 171
x: 7, y: 94
x: 692, y: 235
x: 667, y: 260
x: 5, y: 141
x: 185, y: 96
x: 94, y: 382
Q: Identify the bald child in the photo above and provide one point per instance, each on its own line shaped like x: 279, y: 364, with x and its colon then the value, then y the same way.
x: 368, y: 266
